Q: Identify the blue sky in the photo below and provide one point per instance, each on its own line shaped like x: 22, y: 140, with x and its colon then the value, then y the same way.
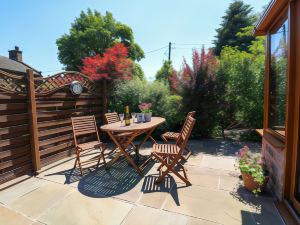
x: 34, y: 26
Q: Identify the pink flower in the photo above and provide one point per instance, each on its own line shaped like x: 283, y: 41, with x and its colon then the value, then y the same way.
x: 145, y: 106
x: 242, y: 152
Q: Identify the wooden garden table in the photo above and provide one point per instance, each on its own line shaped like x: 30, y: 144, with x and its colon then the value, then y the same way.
x: 123, y: 135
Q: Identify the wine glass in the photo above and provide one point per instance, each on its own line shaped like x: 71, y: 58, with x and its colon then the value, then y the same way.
x: 121, y: 118
x: 133, y: 114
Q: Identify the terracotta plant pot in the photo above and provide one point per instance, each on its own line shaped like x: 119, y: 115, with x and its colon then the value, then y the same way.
x: 251, y: 185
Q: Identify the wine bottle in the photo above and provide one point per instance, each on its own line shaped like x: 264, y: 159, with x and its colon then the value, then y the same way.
x: 127, y: 116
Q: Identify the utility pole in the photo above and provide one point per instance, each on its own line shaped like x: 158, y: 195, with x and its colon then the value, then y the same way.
x: 170, y: 45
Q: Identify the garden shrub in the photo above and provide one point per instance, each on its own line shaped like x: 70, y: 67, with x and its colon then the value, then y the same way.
x: 136, y: 91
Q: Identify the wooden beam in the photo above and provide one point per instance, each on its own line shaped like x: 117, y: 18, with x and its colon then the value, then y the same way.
x: 36, y: 161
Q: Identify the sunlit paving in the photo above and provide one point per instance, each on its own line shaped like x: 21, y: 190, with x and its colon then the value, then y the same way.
x: 150, y: 112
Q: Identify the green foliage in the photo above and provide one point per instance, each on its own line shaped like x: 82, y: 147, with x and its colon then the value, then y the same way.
x: 236, y: 17
x: 90, y: 34
x: 240, y: 86
x: 164, y: 72
x: 136, y: 91
x: 137, y: 71
x: 251, y: 163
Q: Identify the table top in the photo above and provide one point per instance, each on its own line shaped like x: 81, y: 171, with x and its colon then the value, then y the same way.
x: 116, y: 127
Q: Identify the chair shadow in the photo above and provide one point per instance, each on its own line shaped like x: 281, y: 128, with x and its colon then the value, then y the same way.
x: 73, y: 175
x: 120, y: 178
x: 168, y: 185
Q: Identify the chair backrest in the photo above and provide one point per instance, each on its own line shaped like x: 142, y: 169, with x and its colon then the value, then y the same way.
x: 186, y: 131
x: 192, y: 114
x: 111, y: 117
x: 83, y: 125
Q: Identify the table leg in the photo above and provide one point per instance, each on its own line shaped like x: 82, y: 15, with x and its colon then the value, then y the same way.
x: 148, y: 136
x: 123, y: 151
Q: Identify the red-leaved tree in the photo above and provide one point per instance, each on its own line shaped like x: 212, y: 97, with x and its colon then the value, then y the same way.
x: 197, y: 86
x: 204, y: 67
x: 114, y: 64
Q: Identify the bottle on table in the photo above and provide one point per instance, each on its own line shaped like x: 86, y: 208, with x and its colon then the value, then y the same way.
x: 127, y: 116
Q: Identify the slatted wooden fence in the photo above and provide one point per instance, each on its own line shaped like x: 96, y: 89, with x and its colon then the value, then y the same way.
x: 35, y: 125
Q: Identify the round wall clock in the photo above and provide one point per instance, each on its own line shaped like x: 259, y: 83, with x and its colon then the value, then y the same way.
x: 76, y: 88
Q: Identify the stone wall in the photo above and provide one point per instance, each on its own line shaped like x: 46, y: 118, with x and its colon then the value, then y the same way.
x: 274, y: 158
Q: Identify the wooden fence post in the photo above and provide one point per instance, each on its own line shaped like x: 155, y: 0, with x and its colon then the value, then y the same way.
x: 34, y: 139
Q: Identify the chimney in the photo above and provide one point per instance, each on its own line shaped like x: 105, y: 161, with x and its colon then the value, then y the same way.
x: 16, y: 54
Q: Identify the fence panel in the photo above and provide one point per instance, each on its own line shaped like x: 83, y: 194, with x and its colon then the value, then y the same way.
x: 56, y: 105
x: 53, y: 106
x: 15, y: 148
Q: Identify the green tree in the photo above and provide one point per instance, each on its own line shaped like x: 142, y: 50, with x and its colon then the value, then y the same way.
x: 137, y: 71
x: 90, y: 34
x: 240, y: 82
x: 236, y: 17
x: 164, y: 72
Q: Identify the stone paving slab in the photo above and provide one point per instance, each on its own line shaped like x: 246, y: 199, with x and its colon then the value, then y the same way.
x: 12, y: 193
x: 141, y: 215
x: 34, y: 203
x: 213, y: 205
x: 195, y: 221
x: 79, y: 209
x: 10, y: 217
x: 218, y: 162
x: 58, y: 195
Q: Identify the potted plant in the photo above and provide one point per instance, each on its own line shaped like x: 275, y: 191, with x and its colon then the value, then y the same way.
x: 254, y: 173
x: 145, y: 109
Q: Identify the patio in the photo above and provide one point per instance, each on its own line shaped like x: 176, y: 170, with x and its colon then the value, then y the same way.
x: 59, y: 195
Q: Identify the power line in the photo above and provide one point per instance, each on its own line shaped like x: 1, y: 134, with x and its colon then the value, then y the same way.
x: 155, y: 50
x: 191, y: 48
x: 189, y: 44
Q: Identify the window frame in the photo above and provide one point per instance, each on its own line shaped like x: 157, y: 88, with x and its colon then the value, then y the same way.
x: 275, y: 25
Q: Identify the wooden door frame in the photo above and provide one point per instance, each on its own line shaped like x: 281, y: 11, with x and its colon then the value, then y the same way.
x: 293, y: 104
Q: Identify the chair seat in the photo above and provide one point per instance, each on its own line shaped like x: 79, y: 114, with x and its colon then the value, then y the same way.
x: 166, y: 149
x: 89, y: 145
x: 171, y: 135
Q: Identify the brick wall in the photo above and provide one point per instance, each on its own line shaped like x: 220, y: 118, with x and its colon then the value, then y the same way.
x: 274, y: 158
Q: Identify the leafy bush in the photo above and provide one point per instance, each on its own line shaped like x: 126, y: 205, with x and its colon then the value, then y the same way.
x: 136, y: 91
x: 241, y: 78
x: 252, y: 164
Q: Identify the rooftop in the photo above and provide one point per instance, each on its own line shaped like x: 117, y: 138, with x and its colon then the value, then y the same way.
x: 15, y: 66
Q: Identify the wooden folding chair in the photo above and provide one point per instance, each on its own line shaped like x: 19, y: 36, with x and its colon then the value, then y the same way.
x: 84, y: 126
x: 169, y: 155
x: 168, y: 136
x: 113, y: 118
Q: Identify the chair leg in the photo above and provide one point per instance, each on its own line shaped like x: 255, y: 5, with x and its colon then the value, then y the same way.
x: 184, y: 179
x: 104, y: 161
x: 80, y: 167
x: 75, y: 162
x: 114, y: 149
x: 161, y: 165
x: 171, y: 165
x: 185, y: 157
x: 146, y: 161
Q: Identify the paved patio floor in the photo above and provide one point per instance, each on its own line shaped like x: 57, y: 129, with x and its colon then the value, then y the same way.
x: 58, y: 195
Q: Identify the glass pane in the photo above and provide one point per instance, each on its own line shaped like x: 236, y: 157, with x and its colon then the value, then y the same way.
x: 278, y: 78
